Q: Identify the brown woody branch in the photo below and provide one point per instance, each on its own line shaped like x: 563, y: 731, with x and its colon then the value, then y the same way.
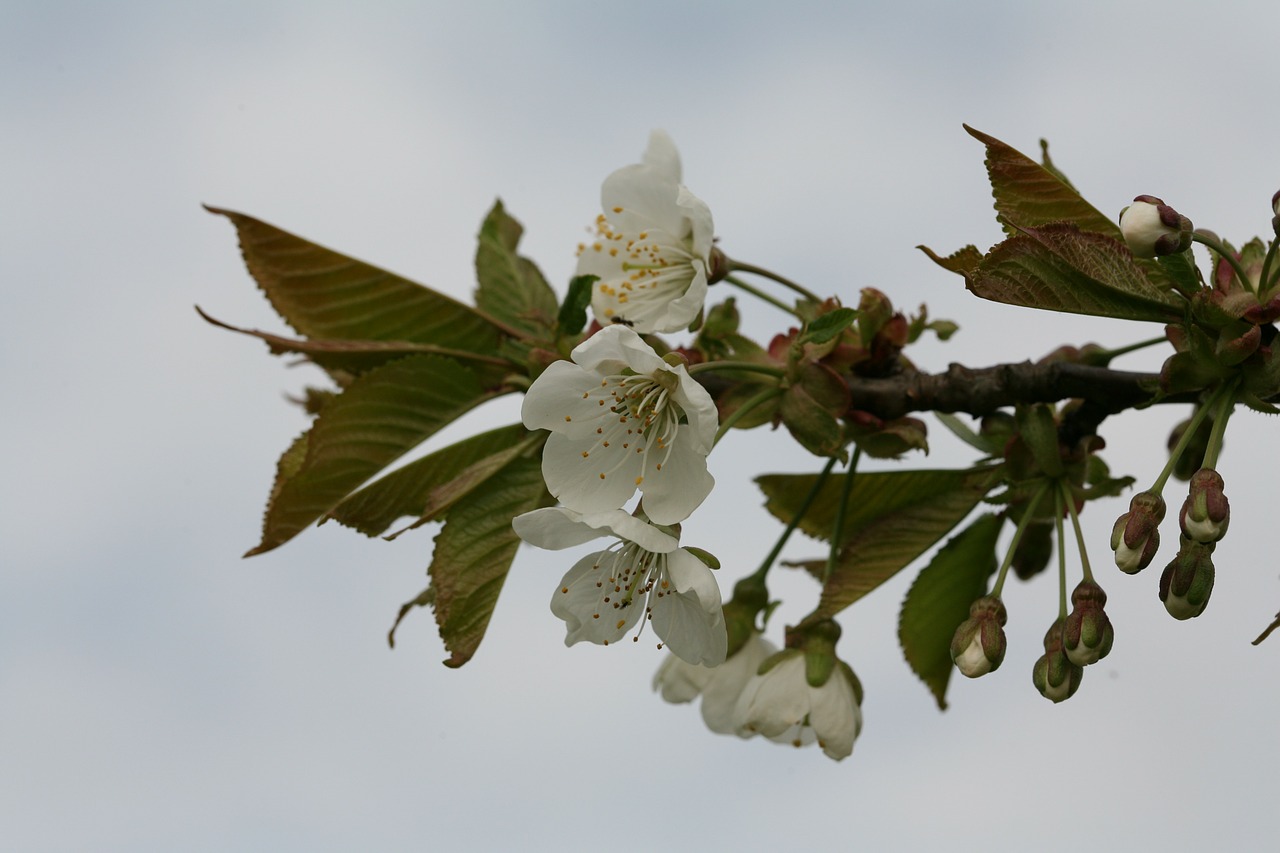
x: 983, y: 390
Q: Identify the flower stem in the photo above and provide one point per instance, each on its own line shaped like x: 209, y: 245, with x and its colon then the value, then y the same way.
x: 1223, y: 252
x: 1125, y: 350
x: 747, y: 366
x: 795, y: 520
x: 1188, y: 434
x: 1017, y: 537
x: 760, y: 294
x: 1264, y: 280
x: 1226, y: 406
x: 841, y: 510
x: 1062, y: 557
x: 738, y: 266
x: 742, y: 411
x: 1075, y: 523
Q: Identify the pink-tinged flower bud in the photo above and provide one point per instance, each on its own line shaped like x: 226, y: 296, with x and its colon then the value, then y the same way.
x: 1151, y: 227
x: 1205, y: 513
x: 1054, y: 675
x: 1187, y: 582
x: 1136, y: 534
x: 1087, y: 634
x: 979, y: 643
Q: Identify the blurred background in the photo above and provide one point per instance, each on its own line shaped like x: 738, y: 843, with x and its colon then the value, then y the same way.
x: 159, y: 693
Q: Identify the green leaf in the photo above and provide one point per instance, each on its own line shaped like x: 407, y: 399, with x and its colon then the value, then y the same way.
x: 810, y: 423
x: 326, y: 295
x: 1061, y: 268
x: 1028, y: 194
x: 892, y: 518
x: 573, y: 312
x: 381, y: 415
x: 511, y: 287
x: 828, y: 326
x: 352, y: 356
x: 939, y: 600
x: 474, y: 552
x: 428, y: 485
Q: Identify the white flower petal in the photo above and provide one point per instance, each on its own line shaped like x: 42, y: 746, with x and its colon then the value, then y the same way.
x: 580, y: 486
x: 662, y: 155
x: 579, y: 601
x: 556, y: 401
x: 774, y: 702
x: 721, y: 692
x: 834, y: 715
x: 614, y: 348
x: 680, y: 681
x: 555, y: 528
x: 640, y: 198
x: 686, y: 613
x: 683, y: 483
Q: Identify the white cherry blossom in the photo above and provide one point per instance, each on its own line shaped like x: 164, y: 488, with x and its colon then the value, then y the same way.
x: 785, y: 708
x: 652, y: 246
x: 645, y: 574
x: 622, y: 419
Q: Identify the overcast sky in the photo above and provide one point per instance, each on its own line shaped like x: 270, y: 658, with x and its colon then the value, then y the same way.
x: 157, y: 692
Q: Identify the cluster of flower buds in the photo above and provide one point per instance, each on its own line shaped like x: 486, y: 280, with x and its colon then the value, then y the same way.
x: 1151, y: 228
x: 1187, y: 581
x: 979, y: 644
x: 1054, y: 674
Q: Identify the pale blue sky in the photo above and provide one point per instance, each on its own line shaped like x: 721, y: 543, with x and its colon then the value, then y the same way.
x: 159, y: 693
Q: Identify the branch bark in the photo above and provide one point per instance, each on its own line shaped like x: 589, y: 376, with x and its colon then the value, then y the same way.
x: 983, y: 390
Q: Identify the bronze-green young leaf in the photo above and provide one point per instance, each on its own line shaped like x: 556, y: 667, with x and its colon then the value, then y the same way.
x: 1061, y: 268
x: 939, y: 600
x: 357, y: 356
x: 474, y: 552
x: 381, y: 415
x: 427, y: 487
x: 892, y: 518
x: 510, y: 286
x: 327, y: 295
x: 1027, y: 194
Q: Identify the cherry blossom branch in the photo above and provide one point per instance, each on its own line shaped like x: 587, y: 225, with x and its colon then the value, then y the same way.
x: 983, y: 390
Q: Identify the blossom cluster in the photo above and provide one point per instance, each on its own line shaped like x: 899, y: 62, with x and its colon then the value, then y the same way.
x: 623, y: 420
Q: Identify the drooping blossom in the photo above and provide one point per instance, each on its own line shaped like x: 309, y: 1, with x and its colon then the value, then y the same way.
x: 645, y: 574
x: 784, y: 707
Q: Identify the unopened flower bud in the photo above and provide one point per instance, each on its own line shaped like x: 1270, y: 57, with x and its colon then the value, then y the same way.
x: 1205, y: 513
x: 1087, y: 634
x: 1275, y: 208
x: 1136, y: 534
x: 1151, y: 227
x: 1054, y: 675
x: 979, y: 643
x: 1187, y: 582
